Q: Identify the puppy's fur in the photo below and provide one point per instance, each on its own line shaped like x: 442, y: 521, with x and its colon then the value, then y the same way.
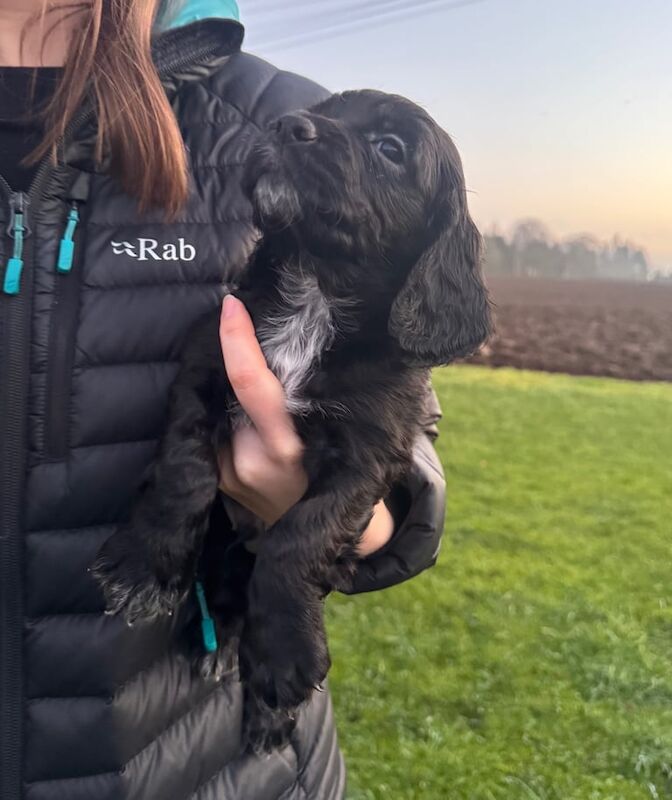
x: 367, y: 274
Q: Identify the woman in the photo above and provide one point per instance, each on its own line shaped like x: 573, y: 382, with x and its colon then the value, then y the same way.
x: 121, y: 215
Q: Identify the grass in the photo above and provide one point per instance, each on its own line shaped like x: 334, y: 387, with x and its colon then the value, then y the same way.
x: 534, y: 662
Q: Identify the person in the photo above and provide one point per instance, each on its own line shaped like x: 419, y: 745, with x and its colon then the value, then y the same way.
x: 123, y: 129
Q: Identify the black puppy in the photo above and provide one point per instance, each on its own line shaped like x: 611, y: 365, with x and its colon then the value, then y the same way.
x: 367, y: 274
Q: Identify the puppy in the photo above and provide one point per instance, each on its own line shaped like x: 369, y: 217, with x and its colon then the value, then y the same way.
x: 367, y: 274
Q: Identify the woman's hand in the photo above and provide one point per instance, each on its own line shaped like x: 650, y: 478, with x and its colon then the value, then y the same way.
x: 379, y: 531
x: 263, y: 467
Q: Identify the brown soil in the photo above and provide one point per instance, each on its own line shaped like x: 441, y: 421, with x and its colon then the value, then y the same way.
x: 622, y: 330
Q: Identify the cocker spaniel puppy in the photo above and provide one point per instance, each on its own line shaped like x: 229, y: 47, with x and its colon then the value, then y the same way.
x: 367, y: 274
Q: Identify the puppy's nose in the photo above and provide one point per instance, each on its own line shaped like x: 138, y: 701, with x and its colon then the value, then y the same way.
x: 295, y: 128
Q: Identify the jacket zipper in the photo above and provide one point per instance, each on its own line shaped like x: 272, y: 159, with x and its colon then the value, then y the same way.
x: 63, y: 326
x: 14, y: 343
x: 18, y: 231
x: 15, y: 319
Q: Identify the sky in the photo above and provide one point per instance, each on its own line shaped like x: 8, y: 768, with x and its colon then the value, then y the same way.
x: 562, y: 110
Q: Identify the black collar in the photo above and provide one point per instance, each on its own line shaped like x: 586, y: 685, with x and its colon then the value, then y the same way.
x: 177, y: 49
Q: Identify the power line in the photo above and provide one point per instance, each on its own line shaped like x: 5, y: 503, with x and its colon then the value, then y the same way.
x: 319, y: 15
x: 316, y: 16
x: 330, y: 18
x: 396, y: 10
x: 302, y: 7
x: 289, y: 8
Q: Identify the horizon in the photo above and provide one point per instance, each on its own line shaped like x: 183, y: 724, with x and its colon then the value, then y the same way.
x: 561, y: 112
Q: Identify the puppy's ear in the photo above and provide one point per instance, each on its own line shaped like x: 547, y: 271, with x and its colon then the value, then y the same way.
x: 442, y: 311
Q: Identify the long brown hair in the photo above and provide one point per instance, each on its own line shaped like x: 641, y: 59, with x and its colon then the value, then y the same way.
x: 110, y: 59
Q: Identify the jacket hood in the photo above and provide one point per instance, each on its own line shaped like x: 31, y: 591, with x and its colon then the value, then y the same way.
x: 179, y: 15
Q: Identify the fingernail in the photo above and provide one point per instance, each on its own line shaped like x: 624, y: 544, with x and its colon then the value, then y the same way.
x: 230, y: 306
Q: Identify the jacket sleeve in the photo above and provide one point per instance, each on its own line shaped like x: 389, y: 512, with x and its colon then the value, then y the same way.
x: 418, y: 505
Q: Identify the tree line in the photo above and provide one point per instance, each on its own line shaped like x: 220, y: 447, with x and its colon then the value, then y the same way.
x: 530, y: 250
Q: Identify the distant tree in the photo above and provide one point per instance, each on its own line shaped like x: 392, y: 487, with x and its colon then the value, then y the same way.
x: 534, y: 250
x: 539, y: 259
x: 499, y: 256
x: 530, y: 230
x: 622, y: 260
x: 581, y: 257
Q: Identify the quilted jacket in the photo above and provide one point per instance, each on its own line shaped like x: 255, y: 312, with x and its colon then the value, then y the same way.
x: 92, y: 709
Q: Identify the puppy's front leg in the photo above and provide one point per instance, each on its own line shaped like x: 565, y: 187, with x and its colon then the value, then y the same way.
x: 283, y: 651
x: 147, y: 567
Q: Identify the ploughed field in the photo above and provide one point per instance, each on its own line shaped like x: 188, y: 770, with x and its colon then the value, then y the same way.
x: 622, y: 330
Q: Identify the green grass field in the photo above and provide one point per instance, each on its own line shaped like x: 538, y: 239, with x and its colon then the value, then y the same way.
x: 534, y: 662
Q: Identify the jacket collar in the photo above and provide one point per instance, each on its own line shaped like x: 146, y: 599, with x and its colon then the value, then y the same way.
x: 200, y: 40
x: 189, y: 29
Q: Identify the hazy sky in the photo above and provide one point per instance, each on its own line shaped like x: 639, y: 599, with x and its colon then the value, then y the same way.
x: 562, y: 109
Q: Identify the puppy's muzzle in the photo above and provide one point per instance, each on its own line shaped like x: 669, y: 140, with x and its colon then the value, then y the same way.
x: 295, y: 129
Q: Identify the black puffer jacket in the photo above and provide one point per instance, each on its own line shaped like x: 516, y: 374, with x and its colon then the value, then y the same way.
x: 91, y: 708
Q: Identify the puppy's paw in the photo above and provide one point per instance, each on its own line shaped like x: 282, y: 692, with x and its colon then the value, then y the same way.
x: 282, y: 663
x: 132, y: 584
x: 265, y: 729
x: 216, y: 666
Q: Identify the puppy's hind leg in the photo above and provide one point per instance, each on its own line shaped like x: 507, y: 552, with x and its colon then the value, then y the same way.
x: 283, y: 651
x: 226, y: 567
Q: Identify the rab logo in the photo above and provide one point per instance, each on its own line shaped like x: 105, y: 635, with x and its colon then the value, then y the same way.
x: 124, y: 247
x: 146, y: 249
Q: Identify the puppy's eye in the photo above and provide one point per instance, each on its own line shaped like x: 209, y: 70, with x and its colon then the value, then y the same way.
x: 392, y: 148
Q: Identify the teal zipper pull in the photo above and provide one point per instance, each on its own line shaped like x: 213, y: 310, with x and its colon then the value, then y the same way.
x: 66, y: 249
x: 18, y: 231
x: 207, y: 622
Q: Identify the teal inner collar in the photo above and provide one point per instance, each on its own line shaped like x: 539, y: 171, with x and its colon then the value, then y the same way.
x: 179, y: 15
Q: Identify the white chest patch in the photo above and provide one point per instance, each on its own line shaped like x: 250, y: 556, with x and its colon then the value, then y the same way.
x: 294, y: 338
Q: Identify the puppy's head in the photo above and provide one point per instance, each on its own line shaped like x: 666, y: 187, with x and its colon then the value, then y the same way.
x: 370, y: 182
